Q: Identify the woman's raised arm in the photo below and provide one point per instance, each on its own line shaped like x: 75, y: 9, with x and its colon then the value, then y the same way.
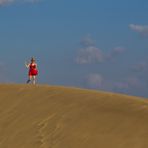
x: 27, y: 65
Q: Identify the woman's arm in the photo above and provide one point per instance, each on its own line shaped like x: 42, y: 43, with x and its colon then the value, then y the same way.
x: 27, y: 65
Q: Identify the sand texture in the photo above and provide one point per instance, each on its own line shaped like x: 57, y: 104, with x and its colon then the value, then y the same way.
x: 45, y: 116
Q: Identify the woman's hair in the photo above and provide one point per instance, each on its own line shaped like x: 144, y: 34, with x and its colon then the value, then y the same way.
x: 32, y: 59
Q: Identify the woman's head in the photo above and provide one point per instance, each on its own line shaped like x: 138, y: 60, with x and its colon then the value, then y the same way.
x: 32, y: 59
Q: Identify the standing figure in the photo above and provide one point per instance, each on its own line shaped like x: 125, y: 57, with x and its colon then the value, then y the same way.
x: 33, y: 72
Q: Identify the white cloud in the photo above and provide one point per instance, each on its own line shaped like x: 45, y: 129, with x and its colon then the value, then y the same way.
x: 143, y: 30
x: 95, y: 81
x: 89, y: 55
x: 115, y: 52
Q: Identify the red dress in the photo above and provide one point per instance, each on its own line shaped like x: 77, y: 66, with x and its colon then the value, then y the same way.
x: 33, y: 69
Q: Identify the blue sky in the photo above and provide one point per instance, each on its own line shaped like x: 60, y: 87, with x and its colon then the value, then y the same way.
x: 94, y: 44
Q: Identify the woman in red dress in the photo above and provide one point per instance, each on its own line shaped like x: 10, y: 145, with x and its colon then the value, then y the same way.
x: 33, y: 72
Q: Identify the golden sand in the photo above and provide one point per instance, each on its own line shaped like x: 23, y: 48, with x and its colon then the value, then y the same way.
x: 45, y: 116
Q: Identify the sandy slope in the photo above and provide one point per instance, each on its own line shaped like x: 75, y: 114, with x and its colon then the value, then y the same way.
x: 58, y: 117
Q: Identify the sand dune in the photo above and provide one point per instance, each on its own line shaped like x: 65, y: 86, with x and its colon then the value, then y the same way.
x: 58, y: 117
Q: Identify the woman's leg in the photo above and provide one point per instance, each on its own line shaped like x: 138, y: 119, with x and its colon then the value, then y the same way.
x: 29, y: 79
x: 34, y: 79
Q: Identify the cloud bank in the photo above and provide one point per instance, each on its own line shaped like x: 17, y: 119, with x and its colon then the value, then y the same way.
x: 134, y: 82
x: 90, y: 54
x: 126, y: 85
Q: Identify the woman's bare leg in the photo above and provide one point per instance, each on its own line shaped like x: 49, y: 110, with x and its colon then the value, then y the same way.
x: 34, y: 79
x: 29, y: 79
